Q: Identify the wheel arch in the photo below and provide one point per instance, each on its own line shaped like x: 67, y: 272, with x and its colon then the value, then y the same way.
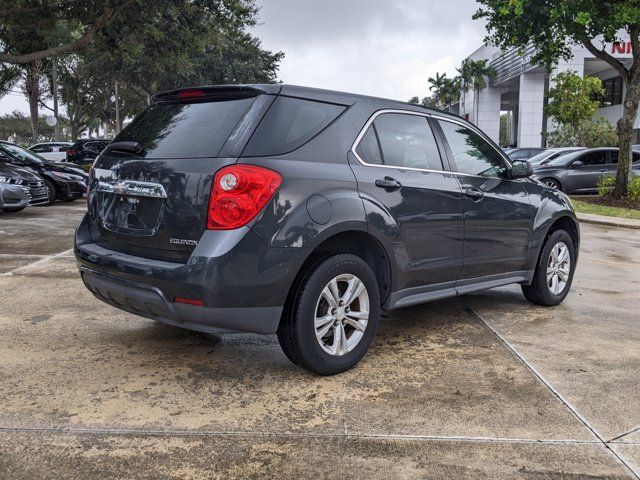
x: 356, y: 242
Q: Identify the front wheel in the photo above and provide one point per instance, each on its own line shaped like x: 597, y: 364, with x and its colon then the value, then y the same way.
x: 51, y: 191
x: 552, y: 183
x: 554, y: 271
x: 333, y: 316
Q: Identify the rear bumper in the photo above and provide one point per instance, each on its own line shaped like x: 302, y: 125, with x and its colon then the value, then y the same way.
x: 150, y: 302
x: 242, y: 282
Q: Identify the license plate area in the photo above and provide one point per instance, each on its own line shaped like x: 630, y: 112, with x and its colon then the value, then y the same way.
x: 130, y: 208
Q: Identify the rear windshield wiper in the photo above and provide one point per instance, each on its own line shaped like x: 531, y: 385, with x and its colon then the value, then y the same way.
x: 126, y: 146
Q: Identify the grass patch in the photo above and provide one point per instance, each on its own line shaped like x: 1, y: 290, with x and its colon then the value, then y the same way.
x: 583, y: 206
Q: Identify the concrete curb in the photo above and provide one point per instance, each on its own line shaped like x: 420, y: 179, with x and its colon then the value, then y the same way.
x: 608, y: 221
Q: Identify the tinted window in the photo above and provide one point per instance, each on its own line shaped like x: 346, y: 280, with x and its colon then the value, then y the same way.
x: 289, y: 124
x: 407, y: 141
x: 185, y: 130
x: 21, y: 155
x: 594, y: 158
x: 41, y: 149
x: 368, y: 149
x: 473, y: 154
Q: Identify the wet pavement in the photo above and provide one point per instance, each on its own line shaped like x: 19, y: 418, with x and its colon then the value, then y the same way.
x: 483, y: 386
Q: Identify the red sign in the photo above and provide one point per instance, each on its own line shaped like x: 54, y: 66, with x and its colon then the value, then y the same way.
x: 623, y: 48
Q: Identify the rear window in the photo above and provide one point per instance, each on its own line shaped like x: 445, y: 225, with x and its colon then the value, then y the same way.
x: 186, y: 130
x: 289, y: 124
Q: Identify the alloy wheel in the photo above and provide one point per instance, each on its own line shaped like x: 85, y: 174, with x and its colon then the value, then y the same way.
x: 342, y: 314
x: 558, y: 268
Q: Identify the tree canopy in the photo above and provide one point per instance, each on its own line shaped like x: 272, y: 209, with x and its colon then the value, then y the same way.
x: 144, y: 45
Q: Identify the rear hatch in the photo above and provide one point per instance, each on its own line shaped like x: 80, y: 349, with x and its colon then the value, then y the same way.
x: 150, y: 188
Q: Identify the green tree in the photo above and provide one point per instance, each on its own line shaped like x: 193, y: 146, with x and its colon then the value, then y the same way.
x: 445, y: 90
x: 144, y: 50
x: 552, y: 26
x: 590, y: 134
x: 573, y: 100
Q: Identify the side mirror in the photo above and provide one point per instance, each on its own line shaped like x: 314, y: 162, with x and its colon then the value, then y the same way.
x: 521, y: 169
x: 577, y: 164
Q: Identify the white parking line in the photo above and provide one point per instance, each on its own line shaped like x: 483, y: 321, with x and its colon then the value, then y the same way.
x: 38, y: 262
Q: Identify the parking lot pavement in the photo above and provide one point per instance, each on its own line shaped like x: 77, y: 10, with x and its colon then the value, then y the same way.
x: 483, y: 386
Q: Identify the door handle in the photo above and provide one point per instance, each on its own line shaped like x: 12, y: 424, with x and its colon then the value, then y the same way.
x: 389, y: 184
x: 474, y: 193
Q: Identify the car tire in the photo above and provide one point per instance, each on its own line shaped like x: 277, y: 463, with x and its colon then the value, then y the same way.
x: 313, y: 302
x: 552, y: 183
x: 51, y: 191
x: 543, y: 290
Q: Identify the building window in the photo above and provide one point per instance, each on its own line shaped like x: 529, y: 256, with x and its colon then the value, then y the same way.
x: 613, y: 92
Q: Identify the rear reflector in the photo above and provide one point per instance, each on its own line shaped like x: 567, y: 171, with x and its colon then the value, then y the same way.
x: 190, y: 94
x: 189, y: 301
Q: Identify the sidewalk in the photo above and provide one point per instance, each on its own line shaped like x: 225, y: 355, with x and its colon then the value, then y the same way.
x: 608, y: 221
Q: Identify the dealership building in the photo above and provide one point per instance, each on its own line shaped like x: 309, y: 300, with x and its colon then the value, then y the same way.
x: 519, y: 92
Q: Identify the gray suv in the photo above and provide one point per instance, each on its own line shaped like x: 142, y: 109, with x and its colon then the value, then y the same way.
x: 305, y: 212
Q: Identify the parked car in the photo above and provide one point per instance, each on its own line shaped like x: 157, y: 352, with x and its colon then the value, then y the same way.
x: 581, y: 171
x: 523, y: 153
x: 56, y: 151
x: 86, y: 150
x: 19, y: 187
x: 551, y: 154
x: 304, y: 212
x: 61, y: 181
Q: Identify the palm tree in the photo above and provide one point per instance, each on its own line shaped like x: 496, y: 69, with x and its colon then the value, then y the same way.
x: 481, y: 71
x: 465, y: 75
x: 438, y: 86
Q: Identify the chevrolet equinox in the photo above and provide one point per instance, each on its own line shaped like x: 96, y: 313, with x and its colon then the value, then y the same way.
x: 305, y: 212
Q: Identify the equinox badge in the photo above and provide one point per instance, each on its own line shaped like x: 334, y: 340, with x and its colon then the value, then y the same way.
x: 182, y: 241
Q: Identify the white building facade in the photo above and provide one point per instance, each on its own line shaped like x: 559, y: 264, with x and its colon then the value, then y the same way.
x: 520, y: 88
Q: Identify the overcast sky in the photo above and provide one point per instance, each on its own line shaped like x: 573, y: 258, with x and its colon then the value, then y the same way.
x: 386, y: 48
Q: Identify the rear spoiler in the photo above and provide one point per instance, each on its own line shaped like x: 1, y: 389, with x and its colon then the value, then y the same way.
x: 213, y: 92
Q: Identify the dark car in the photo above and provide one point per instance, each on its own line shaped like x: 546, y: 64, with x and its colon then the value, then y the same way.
x: 86, y: 150
x: 581, y: 171
x: 305, y: 212
x: 523, y: 153
x: 62, y: 181
x: 19, y: 187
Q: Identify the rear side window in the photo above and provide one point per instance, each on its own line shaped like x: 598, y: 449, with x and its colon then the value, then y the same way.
x: 289, y: 124
x: 406, y: 141
x: 186, y: 130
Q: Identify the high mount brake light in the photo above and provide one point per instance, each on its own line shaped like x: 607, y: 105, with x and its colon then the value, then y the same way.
x: 238, y: 194
x: 190, y: 94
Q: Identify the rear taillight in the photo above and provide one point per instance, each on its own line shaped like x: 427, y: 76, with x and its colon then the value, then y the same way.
x: 190, y: 94
x: 238, y: 194
x: 71, y: 151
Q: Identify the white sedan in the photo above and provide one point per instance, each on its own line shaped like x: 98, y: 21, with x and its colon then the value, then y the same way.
x: 56, y: 151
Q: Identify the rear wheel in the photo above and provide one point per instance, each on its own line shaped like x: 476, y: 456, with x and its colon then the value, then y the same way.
x: 554, y: 272
x: 51, y: 191
x: 333, y: 316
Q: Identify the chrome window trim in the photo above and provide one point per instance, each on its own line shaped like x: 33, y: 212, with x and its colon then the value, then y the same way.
x: 425, y: 115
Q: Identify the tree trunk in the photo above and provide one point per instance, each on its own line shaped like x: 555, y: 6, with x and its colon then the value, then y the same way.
x: 32, y: 86
x: 625, y: 132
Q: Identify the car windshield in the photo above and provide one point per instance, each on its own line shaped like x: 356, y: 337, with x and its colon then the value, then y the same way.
x: 564, y: 160
x: 21, y: 154
x: 542, y: 156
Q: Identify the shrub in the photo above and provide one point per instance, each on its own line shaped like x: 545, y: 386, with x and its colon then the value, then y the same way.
x: 599, y: 133
x: 606, y: 185
x: 634, y: 189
